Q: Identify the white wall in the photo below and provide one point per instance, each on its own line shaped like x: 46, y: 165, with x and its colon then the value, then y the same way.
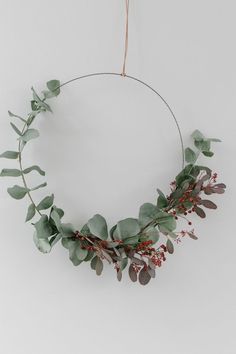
x: 109, y: 144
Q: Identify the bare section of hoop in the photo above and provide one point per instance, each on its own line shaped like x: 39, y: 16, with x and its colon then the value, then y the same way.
x: 143, y: 84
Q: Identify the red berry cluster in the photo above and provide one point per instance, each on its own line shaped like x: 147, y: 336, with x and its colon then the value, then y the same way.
x: 158, y: 257
x: 144, y: 246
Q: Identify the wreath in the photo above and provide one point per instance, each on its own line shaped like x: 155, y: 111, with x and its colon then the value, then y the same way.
x: 129, y: 243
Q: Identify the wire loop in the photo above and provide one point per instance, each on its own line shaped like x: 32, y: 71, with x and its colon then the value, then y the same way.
x: 143, y: 84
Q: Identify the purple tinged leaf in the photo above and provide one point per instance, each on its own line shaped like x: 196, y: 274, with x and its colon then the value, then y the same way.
x: 208, y: 204
x: 119, y: 275
x: 192, y: 236
x: 99, y: 266
x: 200, y: 212
x: 220, y: 185
x: 132, y: 274
x: 144, y: 276
x: 218, y: 190
x: 170, y: 246
x: 208, y: 191
x: 94, y: 262
x: 151, y: 272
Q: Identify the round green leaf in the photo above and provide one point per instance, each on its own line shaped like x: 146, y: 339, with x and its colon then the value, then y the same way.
x: 190, y: 156
x: 147, y: 213
x: 127, y: 228
x: 98, y: 227
x: 17, y: 192
x: 43, y: 227
x: 42, y: 244
x: 81, y: 253
x: 53, y: 87
x: 29, y: 135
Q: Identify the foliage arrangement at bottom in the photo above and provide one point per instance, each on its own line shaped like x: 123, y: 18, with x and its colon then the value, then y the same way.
x: 138, y: 244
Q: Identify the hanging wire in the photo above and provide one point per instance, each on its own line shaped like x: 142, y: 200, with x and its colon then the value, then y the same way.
x: 126, y: 37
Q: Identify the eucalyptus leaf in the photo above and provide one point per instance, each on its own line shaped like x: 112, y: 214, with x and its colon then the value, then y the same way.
x: 160, y: 192
x: 8, y: 172
x: 42, y: 244
x: 54, y: 87
x: 208, y: 153
x: 197, y: 135
x: 133, y: 240
x: 190, y: 156
x: 162, y: 202
x: 72, y: 253
x: 94, y: 262
x: 40, y: 186
x: 152, y: 234
x: 59, y: 211
x: 170, y: 246
x: 31, y: 212
x: 55, y: 239
x: 67, y: 230
x: 167, y: 232
x: 81, y: 253
x: 16, y: 116
x: 166, y: 220
x: 200, y: 212
x: 147, y: 213
x: 208, y: 204
x: 10, y: 155
x: 18, y: 192
x: 132, y: 274
x: 56, y: 218
x: 18, y: 132
x: 98, y: 227
x: 46, y: 203
x: 144, y: 276
x: 89, y: 256
x: 127, y: 228
x: 85, y: 230
x: 29, y: 135
x: 34, y: 168
x: 67, y: 243
x: 43, y: 227
x: 99, y: 266
x: 151, y: 272
x: 214, y: 140
x: 119, y: 275
x: 203, y: 145
x: 123, y: 263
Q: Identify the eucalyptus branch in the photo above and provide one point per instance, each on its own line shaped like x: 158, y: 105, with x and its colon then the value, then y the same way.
x: 22, y: 173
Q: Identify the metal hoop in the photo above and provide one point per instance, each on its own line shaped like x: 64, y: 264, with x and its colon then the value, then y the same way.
x: 144, y: 84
